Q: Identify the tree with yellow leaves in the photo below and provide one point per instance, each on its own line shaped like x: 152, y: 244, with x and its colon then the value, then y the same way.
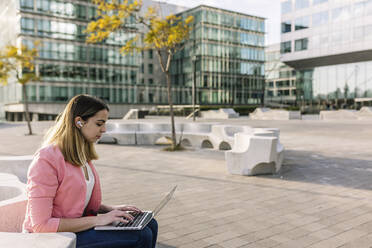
x: 21, y: 61
x: 164, y: 35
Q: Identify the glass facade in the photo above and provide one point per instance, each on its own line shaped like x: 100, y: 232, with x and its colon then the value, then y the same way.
x: 339, y: 85
x: 280, y: 87
x: 225, y: 57
x: 343, y: 16
x: 66, y: 64
x: 332, y: 53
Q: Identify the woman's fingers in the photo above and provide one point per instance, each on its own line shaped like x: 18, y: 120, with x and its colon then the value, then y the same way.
x: 125, y: 215
x: 130, y: 208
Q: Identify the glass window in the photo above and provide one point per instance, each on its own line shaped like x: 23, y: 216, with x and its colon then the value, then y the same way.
x: 341, y: 14
x: 301, y: 44
x: 285, y: 47
x: 300, y: 4
x: 151, y: 68
x: 92, y: 13
x: 27, y: 25
x: 286, y: 27
x: 27, y: 4
x: 359, y: 9
x: 302, y: 22
x: 368, y: 7
x: 320, y: 18
x: 368, y: 32
x: 81, y: 11
x: 358, y: 33
x: 315, y: 2
x: 286, y: 6
x: 42, y: 5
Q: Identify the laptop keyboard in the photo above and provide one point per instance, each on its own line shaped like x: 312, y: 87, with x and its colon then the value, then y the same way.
x: 138, y: 217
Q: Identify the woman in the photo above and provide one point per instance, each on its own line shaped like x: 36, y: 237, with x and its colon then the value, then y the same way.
x: 63, y: 188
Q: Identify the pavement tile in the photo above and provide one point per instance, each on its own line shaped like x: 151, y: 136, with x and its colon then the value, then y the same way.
x: 234, y: 243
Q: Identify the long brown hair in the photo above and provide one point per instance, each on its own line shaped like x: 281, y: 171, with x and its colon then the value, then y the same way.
x: 74, y: 147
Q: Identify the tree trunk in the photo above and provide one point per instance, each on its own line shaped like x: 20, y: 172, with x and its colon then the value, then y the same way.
x: 27, y: 115
x: 170, y: 102
x: 263, y: 95
x: 232, y: 97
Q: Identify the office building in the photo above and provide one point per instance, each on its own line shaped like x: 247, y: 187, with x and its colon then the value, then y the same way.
x: 280, y: 89
x: 229, y: 60
x: 329, y: 43
x: 225, y: 57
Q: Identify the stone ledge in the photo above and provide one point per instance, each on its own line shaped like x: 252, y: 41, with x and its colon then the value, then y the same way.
x: 38, y: 240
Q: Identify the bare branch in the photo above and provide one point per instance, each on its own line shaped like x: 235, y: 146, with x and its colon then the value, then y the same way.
x: 170, y: 54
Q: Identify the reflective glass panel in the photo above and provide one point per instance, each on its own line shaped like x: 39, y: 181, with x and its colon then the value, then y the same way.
x: 286, y: 27
x: 286, y: 7
x: 300, y: 4
x: 302, y: 22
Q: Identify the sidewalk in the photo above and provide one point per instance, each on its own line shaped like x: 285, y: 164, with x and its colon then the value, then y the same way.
x: 321, y: 198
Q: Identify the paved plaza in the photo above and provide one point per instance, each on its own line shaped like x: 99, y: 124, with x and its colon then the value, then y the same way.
x: 322, y: 197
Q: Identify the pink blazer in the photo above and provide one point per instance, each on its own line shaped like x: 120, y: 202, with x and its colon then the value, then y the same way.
x: 56, y: 189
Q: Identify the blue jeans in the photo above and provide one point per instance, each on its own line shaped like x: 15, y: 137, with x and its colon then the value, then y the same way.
x: 145, y: 238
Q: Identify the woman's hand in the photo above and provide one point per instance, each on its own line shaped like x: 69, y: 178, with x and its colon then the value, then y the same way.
x: 114, y: 216
x: 128, y: 208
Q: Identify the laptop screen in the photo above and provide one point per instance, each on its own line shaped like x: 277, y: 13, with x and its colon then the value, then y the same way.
x: 164, y: 201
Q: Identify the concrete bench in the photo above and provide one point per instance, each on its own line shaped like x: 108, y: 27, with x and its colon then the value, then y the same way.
x: 365, y: 113
x: 13, y: 203
x: 252, y: 155
x: 149, y: 133
x: 200, y: 135
x: 273, y: 132
x: 197, y: 135
x: 222, y: 113
x: 16, y: 165
x: 274, y: 114
x: 222, y: 136
x: 120, y: 133
x: 342, y: 114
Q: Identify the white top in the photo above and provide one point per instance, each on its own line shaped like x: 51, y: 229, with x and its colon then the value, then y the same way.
x: 90, y: 184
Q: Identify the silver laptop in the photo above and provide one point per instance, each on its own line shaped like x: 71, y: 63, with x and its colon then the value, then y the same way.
x: 140, y: 220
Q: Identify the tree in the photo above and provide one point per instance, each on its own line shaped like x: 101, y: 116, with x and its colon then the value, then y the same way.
x: 337, y: 95
x: 21, y: 61
x: 346, y: 93
x: 164, y: 35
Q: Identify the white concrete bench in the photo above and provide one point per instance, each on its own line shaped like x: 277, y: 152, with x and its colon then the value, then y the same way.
x: 341, y: 114
x: 120, y: 133
x: 274, y: 114
x: 200, y: 135
x: 252, y: 155
x: 13, y: 203
x: 148, y: 133
x: 273, y: 132
x: 16, y: 165
x: 365, y: 113
x: 222, y: 113
x: 212, y: 136
x: 222, y: 136
x: 196, y: 135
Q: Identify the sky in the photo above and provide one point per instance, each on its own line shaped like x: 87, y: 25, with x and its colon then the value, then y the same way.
x: 269, y: 9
